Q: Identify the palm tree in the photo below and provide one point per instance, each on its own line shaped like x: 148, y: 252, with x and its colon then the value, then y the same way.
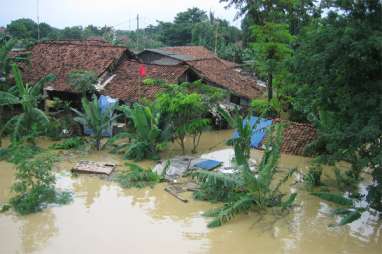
x: 95, y: 118
x: 28, y: 97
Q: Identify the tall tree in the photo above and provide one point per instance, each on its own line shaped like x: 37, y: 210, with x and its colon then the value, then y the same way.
x: 272, y: 47
x: 337, y: 69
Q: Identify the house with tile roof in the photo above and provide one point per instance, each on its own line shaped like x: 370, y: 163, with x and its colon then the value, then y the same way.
x: 118, y: 69
x: 209, y: 68
x: 62, y: 57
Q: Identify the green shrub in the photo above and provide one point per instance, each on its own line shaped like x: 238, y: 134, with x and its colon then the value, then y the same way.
x: 34, y: 186
x: 265, y: 108
x: 17, y: 153
x: 70, y: 143
x: 137, y: 177
x: 313, y: 177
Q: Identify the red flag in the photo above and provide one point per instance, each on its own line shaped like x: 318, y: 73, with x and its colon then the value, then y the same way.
x: 142, y: 71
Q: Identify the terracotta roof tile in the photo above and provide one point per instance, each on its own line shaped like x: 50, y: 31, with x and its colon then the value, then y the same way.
x: 62, y: 57
x: 128, y: 86
x: 296, y: 137
x: 216, y: 72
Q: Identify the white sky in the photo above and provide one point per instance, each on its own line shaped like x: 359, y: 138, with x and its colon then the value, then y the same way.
x: 61, y: 13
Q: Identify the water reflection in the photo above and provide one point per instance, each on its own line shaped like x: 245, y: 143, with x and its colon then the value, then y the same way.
x: 37, y: 229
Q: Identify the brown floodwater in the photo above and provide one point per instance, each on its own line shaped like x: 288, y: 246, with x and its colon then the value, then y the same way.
x: 104, y: 218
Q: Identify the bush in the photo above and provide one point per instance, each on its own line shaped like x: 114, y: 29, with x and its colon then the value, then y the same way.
x: 70, y: 143
x: 266, y: 108
x: 313, y: 177
x: 34, y: 186
x: 17, y: 153
x: 137, y: 177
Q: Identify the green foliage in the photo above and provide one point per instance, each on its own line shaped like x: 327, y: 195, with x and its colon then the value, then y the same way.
x: 313, y: 177
x: 348, y: 213
x: 242, y: 143
x: 333, y: 197
x: 265, y: 108
x: 184, y: 108
x: 146, y: 139
x: 149, y: 82
x: 345, y: 181
x: 34, y: 186
x: 28, y: 98
x: 245, y: 190
x: 6, y: 59
x: 216, y: 187
x: 137, y: 177
x: 272, y: 48
x: 94, y: 118
x: 19, y: 152
x: 338, y: 86
x: 83, y: 81
x: 70, y: 143
x: 350, y: 217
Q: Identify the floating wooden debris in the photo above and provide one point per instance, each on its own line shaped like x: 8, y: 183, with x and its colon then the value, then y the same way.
x: 175, y: 192
x: 93, y: 167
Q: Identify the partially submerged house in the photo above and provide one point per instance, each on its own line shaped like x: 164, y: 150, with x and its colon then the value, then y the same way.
x: 209, y: 68
x: 127, y: 85
x: 62, y: 57
x: 118, y: 69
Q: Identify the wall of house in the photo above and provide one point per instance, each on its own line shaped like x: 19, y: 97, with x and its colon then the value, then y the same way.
x: 155, y: 58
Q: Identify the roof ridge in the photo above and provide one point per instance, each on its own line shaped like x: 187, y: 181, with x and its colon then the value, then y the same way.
x: 80, y: 43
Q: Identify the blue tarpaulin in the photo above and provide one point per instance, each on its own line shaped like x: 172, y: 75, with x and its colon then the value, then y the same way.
x: 104, y: 103
x: 258, y: 133
x: 208, y: 164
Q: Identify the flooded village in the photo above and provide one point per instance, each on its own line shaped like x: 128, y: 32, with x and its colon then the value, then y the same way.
x: 195, y: 135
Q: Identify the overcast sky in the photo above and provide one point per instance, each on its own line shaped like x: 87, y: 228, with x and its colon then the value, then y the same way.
x: 119, y: 13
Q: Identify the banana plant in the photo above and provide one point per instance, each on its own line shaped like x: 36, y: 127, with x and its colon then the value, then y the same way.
x: 95, y: 118
x: 245, y: 190
x: 146, y: 139
x: 6, y: 59
x: 27, y: 97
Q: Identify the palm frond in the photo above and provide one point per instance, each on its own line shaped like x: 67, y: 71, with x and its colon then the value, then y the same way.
x: 18, y: 78
x: 8, y: 99
x: 230, y: 210
x: 289, y: 202
x: 38, y: 86
x: 333, y: 197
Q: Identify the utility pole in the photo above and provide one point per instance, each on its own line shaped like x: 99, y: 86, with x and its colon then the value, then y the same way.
x: 38, y: 21
x: 216, y: 37
x: 137, y: 31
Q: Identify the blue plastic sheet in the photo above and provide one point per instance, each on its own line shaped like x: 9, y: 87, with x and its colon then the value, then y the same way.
x: 259, y: 126
x: 208, y: 164
x: 104, y: 102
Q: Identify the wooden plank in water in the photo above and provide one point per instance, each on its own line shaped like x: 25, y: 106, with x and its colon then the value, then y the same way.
x: 93, y: 167
x: 175, y: 194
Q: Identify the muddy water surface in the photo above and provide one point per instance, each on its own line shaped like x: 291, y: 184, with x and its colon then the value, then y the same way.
x: 104, y: 218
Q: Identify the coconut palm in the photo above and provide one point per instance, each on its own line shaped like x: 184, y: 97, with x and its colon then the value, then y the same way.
x: 28, y: 97
x: 95, y: 118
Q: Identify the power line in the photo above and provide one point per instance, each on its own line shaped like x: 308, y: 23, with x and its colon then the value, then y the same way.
x: 38, y: 21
